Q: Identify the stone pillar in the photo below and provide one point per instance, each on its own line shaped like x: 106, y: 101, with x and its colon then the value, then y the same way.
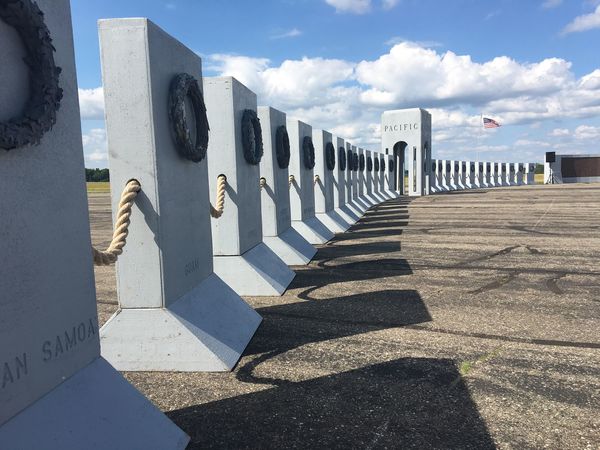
x: 509, y: 174
x: 529, y: 177
x: 478, y: 175
x: 278, y: 233
x: 324, y: 168
x: 519, y: 174
x: 462, y: 176
x: 339, y: 182
x: 57, y: 392
x: 241, y: 259
x: 350, y: 184
x: 173, y: 308
x: 302, y: 190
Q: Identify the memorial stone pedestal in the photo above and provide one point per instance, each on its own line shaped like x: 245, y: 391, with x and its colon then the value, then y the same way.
x: 324, y: 192
x: 302, y: 189
x: 339, y: 183
x: 175, y: 313
x: 57, y: 391
x: 241, y: 258
x: 278, y: 233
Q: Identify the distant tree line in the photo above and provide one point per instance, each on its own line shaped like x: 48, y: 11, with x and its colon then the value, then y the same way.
x: 97, y: 175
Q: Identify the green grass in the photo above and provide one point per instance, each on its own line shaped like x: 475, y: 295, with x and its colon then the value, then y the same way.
x: 101, y: 187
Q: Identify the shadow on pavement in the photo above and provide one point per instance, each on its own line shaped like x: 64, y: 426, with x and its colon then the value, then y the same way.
x: 416, y: 403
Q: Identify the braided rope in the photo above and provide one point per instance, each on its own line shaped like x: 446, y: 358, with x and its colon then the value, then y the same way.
x: 262, y: 182
x: 291, y: 180
x: 119, y: 239
x: 317, y: 179
x: 221, y: 185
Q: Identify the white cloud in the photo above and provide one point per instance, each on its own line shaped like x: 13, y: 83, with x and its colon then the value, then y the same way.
x: 531, y: 143
x: 585, y: 132
x: 91, y: 103
x: 350, y: 6
x: 584, y: 22
x: 559, y: 132
x: 548, y: 4
x: 294, y: 32
x: 95, y: 148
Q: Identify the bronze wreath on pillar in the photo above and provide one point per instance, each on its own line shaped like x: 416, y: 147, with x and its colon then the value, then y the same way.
x: 350, y: 159
x: 342, y: 158
x: 282, y: 147
x: 39, y: 115
x: 252, y: 143
x: 185, y: 86
x: 355, y: 162
x: 308, y: 152
x: 391, y: 165
x: 376, y: 160
x: 361, y: 162
x: 382, y: 164
x: 369, y: 164
x: 330, y: 156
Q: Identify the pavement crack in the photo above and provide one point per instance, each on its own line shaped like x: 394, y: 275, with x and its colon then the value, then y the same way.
x: 496, y: 284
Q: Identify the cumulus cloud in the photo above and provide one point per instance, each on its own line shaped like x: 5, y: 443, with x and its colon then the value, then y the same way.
x: 585, y: 132
x: 584, y: 22
x: 559, y: 132
x: 95, y: 148
x: 91, y: 103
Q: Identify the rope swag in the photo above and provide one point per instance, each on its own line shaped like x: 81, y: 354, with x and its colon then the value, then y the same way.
x: 342, y: 158
x: 330, y: 156
x: 39, y: 115
x: 361, y: 163
x: 251, y: 137
x: 308, y: 152
x: 282, y: 147
x: 369, y: 164
x: 185, y: 86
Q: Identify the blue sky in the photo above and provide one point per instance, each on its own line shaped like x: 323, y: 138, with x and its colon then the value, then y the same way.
x: 533, y: 65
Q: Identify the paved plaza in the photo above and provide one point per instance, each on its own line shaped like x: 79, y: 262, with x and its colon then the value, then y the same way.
x: 461, y: 320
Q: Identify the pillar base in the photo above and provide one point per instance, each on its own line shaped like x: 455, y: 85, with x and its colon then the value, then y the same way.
x: 258, y: 272
x: 206, y: 330
x: 313, y: 230
x: 291, y: 247
x: 95, y: 408
x: 333, y: 221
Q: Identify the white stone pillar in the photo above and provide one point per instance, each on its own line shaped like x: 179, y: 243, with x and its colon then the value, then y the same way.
x: 241, y: 259
x: 302, y: 189
x: 324, y: 181
x: 339, y: 187
x: 56, y: 392
x: 168, y: 292
x: 278, y: 233
x: 529, y: 177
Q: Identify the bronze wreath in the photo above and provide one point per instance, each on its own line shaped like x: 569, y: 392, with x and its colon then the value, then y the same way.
x: 330, y: 156
x: 361, y: 163
x: 391, y: 165
x: 185, y: 86
x: 369, y: 164
x: 376, y: 161
x: 350, y: 159
x: 382, y: 164
x: 342, y: 158
x: 282, y: 147
x: 252, y: 143
x: 308, y: 152
x: 39, y: 115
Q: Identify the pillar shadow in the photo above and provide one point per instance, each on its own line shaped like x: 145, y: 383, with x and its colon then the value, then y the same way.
x: 408, y: 403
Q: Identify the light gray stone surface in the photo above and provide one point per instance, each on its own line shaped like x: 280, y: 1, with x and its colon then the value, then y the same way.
x: 339, y: 186
x: 241, y: 258
x: 57, y: 392
x: 278, y: 235
x: 412, y: 129
x: 175, y: 313
x: 302, y: 190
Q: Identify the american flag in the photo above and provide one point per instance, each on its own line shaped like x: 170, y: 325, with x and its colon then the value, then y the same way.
x: 490, y: 123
